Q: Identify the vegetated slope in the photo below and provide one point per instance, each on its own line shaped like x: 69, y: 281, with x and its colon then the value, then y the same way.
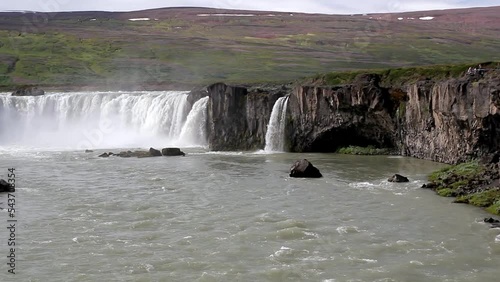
x: 197, y: 45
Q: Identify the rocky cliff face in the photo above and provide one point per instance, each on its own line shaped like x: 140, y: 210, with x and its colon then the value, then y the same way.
x: 451, y: 121
x: 447, y: 121
x: 322, y: 119
x: 238, y: 117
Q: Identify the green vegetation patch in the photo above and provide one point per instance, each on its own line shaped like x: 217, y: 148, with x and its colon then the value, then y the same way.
x: 445, y: 192
x: 482, y: 199
x: 470, y: 182
x: 370, y: 150
x: 495, y: 208
x: 398, y: 76
x: 464, y: 171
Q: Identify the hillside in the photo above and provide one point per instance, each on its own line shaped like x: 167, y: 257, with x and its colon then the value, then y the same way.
x: 187, y: 46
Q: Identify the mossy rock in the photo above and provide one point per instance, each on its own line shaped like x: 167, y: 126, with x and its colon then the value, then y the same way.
x: 495, y: 208
x: 482, y: 199
x: 464, y: 170
x: 370, y: 150
x: 446, y: 192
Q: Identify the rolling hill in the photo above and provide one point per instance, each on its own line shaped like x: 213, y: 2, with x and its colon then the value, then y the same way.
x: 161, y: 48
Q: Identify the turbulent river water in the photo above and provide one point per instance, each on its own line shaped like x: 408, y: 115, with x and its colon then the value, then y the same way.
x: 237, y: 216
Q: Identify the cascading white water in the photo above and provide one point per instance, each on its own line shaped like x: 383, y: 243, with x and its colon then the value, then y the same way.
x: 275, y: 135
x: 194, y: 132
x: 83, y: 120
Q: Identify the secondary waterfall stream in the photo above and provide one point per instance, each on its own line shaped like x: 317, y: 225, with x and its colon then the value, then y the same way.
x: 93, y: 120
x: 275, y: 136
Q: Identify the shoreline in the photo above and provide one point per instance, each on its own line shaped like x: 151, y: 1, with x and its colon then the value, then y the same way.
x: 475, y: 183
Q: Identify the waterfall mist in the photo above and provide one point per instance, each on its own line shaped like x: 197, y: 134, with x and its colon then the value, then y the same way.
x: 91, y: 120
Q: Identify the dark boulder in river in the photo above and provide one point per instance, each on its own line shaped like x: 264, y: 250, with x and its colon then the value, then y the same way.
x: 134, y: 154
x: 398, y: 178
x: 170, y: 152
x: 304, y: 169
x: 29, y: 91
x: 5, y: 186
x: 154, y: 153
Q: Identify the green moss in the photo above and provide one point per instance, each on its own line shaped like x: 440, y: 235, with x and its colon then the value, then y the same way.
x: 370, y: 150
x: 482, y: 199
x: 401, y: 112
x: 495, y: 208
x: 338, y: 78
x: 459, y: 184
x: 464, y: 170
x: 445, y: 192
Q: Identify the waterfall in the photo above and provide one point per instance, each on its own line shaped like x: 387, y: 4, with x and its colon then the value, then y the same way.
x: 275, y: 135
x: 83, y: 120
x: 194, y: 131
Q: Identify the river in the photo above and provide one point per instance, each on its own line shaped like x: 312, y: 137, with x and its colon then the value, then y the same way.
x: 235, y: 216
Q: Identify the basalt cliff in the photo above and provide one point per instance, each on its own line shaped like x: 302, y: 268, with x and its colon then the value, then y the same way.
x: 446, y: 120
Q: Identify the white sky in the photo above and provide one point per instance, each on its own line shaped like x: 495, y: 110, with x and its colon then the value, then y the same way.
x: 311, y: 6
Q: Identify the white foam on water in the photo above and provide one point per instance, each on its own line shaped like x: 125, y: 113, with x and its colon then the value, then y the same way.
x: 348, y: 229
x: 365, y: 260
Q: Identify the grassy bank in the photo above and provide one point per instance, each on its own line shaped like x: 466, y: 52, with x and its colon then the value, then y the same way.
x: 470, y: 183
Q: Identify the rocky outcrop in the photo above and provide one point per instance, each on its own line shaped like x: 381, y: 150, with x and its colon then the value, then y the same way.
x: 304, y: 169
x: 322, y: 119
x: 172, y: 152
x: 451, y: 121
x: 155, y: 153
x: 29, y: 91
x: 238, y: 117
x: 444, y: 120
x: 196, y: 94
x: 152, y: 152
x: 398, y: 178
x: 495, y: 223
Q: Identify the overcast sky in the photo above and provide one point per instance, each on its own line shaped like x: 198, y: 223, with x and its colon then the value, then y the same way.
x: 310, y: 6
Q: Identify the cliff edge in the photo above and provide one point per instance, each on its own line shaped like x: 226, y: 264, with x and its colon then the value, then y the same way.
x: 444, y: 119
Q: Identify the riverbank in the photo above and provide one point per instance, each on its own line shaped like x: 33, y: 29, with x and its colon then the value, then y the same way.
x: 473, y: 183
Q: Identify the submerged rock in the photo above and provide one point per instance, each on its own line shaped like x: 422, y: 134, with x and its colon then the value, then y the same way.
x: 170, y: 152
x: 29, y: 91
x: 88, y: 151
x: 104, y: 155
x: 398, y: 178
x: 304, y: 169
x: 5, y: 186
x: 491, y: 220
